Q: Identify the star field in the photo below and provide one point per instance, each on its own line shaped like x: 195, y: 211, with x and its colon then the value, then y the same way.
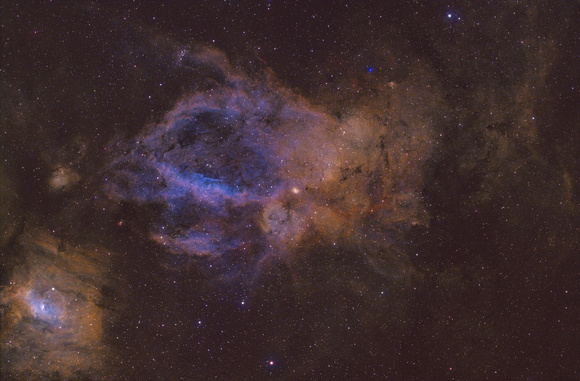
x: 289, y: 190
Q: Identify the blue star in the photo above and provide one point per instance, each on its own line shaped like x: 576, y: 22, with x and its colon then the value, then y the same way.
x: 370, y: 69
x: 452, y: 17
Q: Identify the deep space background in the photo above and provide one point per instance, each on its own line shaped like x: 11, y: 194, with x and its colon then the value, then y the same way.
x: 310, y: 190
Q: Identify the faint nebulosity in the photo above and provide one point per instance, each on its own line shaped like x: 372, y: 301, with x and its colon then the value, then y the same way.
x: 282, y: 190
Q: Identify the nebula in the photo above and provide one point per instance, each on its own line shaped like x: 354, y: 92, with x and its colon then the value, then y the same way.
x: 54, y: 323
x: 243, y: 191
x: 246, y: 168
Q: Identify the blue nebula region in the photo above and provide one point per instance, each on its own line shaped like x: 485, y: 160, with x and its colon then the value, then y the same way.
x: 204, y: 170
x: 47, y: 306
x: 212, y: 166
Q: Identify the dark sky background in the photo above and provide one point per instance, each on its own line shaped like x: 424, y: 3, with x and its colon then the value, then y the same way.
x: 349, y: 190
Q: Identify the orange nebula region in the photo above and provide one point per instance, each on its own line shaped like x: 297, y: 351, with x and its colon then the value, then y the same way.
x: 54, y: 321
x: 348, y: 171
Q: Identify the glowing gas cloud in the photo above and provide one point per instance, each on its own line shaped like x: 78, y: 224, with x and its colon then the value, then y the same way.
x: 54, y: 321
x: 245, y: 167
